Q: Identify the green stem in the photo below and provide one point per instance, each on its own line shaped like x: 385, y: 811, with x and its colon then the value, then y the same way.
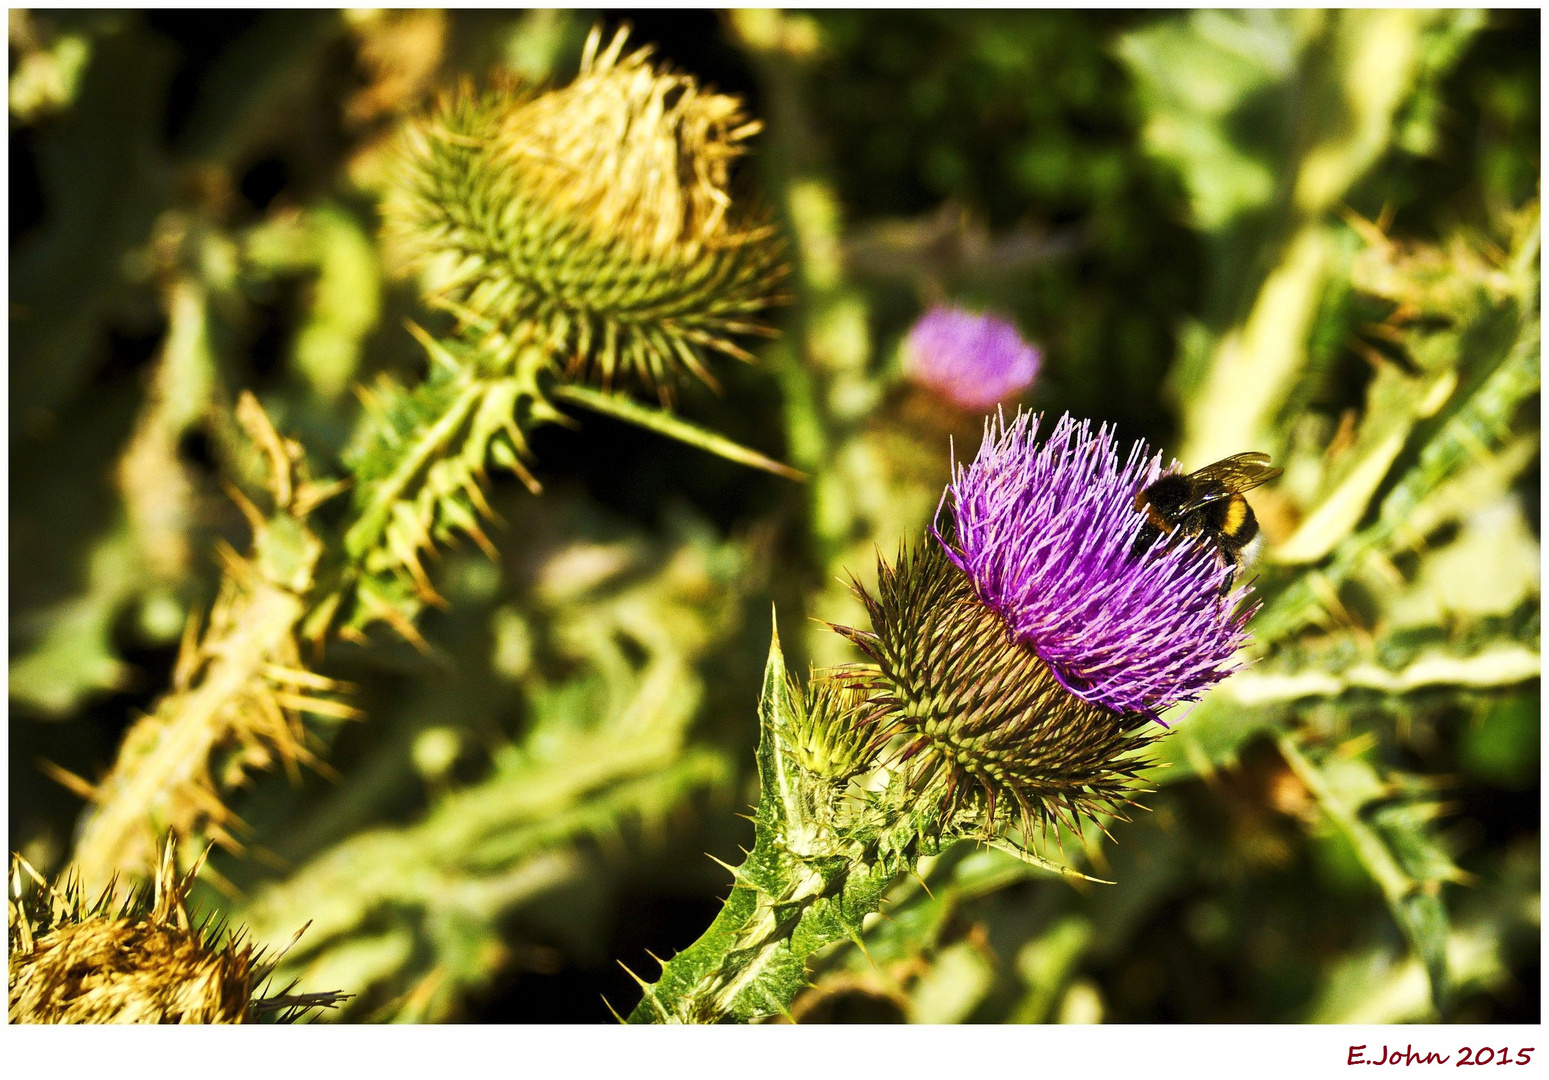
x: 751, y: 962
x: 808, y: 882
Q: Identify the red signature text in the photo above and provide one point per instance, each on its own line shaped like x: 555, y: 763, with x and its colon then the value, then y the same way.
x: 1464, y: 1055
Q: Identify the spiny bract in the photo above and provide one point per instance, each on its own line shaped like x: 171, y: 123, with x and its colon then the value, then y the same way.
x: 986, y: 727
x: 142, y: 961
x: 831, y: 733
x: 593, y: 219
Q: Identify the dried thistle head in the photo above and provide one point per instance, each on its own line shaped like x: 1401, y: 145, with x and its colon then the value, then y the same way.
x: 984, y: 727
x: 641, y: 152
x: 593, y: 219
x: 145, y: 960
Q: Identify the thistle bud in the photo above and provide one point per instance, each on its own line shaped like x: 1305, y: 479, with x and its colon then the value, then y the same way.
x: 593, y: 219
x: 831, y: 733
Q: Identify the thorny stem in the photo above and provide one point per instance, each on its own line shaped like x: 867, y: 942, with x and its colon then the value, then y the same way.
x: 183, y: 747
x: 810, y: 880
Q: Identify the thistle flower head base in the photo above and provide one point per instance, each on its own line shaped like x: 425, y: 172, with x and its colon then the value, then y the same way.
x: 979, y: 724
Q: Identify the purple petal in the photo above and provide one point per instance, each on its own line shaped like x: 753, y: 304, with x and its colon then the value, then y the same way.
x: 1045, y: 532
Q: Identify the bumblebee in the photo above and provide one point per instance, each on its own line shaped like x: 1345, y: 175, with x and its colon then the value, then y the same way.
x: 1206, y: 503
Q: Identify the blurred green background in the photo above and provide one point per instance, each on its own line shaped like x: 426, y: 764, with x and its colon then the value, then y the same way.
x: 1187, y: 212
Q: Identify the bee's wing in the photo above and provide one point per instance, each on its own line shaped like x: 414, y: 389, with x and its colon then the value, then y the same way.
x: 1228, y: 477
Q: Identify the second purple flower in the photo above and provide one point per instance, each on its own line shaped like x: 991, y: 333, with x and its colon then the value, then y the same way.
x: 974, y: 361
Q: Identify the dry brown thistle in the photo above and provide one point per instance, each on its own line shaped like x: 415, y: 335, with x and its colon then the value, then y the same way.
x: 239, y: 688
x: 145, y: 960
x: 644, y: 153
x: 594, y: 219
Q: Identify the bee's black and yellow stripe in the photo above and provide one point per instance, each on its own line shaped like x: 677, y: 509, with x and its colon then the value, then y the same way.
x: 1234, y: 516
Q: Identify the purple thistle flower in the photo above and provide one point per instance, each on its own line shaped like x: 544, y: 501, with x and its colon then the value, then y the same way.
x: 972, y: 360
x: 1045, y: 535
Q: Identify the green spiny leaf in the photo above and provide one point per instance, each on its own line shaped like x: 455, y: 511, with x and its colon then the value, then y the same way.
x: 1347, y: 789
x: 809, y: 881
x: 1479, y: 424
